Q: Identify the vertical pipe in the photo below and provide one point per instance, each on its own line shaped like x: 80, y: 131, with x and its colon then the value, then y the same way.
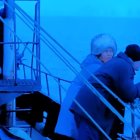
x: 38, y: 40
x: 9, y: 50
x: 9, y: 57
x: 133, y: 122
x: 59, y: 88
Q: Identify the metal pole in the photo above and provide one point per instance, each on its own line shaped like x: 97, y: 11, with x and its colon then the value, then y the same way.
x: 38, y: 40
x: 9, y: 49
x: 133, y: 122
x: 9, y: 58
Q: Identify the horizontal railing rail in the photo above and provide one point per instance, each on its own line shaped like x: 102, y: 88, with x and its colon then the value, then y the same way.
x: 47, y: 39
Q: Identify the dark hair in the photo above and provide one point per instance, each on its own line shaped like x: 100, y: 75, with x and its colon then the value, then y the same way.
x: 133, y: 52
x: 98, y: 55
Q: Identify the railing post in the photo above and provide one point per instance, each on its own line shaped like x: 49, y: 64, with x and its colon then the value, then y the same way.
x: 59, y: 87
x: 37, y: 8
x: 133, y: 122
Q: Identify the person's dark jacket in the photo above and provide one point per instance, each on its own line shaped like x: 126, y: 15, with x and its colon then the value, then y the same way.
x: 118, y: 75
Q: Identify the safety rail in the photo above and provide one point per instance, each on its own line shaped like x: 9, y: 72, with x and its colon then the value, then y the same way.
x: 59, y: 88
x: 50, y: 42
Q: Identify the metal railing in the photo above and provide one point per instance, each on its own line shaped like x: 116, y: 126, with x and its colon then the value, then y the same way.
x: 53, y: 45
x: 59, y: 88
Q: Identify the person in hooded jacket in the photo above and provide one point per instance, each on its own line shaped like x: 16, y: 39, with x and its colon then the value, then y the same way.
x: 118, y: 75
x: 103, y: 48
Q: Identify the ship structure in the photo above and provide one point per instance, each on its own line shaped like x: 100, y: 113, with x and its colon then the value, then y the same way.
x: 22, y: 72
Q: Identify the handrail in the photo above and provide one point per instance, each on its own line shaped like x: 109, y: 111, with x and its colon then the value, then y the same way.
x: 21, y: 40
x: 27, y: 16
x: 85, y: 81
x: 56, y: 77
x: 27, y: 42
x: 29, y: 49
x: 75, y: 71
x: 113, y: 94
x: 66, y: 61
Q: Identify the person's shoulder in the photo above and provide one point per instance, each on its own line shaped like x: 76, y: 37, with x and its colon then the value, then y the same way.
x: 90, y: 60
x: 120, y: 64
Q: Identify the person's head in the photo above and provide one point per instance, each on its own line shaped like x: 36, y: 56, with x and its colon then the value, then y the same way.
x: 103, y: 46
x: 133, y: 52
